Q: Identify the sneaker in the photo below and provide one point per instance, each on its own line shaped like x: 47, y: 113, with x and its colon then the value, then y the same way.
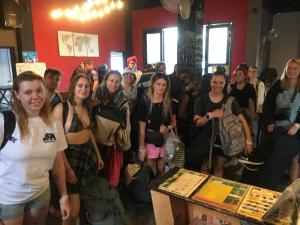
x: 250, y: 167
x: 246, y: 161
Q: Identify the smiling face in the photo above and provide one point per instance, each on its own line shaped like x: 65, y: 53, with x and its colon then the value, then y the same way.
x: 113, y: 83
x: 217, y: 84
x: 239, y: 76
x: 32, y: 95
x: 82, y: 88
x: 160, y: 86
x: 292, y: 70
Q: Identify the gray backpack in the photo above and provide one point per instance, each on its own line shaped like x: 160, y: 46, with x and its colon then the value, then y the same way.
x: 231, y: 131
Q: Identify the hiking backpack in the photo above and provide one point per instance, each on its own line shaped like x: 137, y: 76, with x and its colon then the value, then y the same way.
x: 9, y: 126
x: 231, y: 131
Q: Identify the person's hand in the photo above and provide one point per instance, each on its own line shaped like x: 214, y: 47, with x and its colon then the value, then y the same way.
x: 163, y: 129
x: 71, y: 176
x: 270, y: 127
x: 293, y: 130
x: 65, y: 210
x: 142, y: 154
x: 218, y: 113
x: 120, y: 133
x: 100, y: 164
x: 248, y: 149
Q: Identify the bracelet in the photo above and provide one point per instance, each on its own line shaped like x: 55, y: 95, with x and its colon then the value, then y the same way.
x: 248, y: 142
x: 63, y: 199
x: 142, y: 150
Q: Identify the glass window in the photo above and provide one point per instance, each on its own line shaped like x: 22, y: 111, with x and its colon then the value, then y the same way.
x: 153, y: 48
x: 161, y: 46
x: 170, y: 48
x: 117, y: 61
x: 217, y: 45
x: 5, y: 66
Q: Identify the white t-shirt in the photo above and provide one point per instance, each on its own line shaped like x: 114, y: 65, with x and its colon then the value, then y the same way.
x: 24, y: 165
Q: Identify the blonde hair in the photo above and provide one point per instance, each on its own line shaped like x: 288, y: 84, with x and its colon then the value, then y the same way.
x: 17, y: 107
x: 166, y: 97
x: 284, y: 79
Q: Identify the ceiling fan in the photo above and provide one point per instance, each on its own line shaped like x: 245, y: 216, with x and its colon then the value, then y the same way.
x: 182, y: 7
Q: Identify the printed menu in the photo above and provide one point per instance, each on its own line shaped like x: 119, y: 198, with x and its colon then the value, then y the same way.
x: 222, y: 193
x: 183, y: 183
x: 257, y: 202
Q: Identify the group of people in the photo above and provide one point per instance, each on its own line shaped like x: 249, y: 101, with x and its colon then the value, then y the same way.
x: 269, y: 110
x: 84, y: 133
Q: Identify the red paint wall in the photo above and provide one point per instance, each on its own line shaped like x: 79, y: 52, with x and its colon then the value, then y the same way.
x: 235, y: 11
x: 110, y: 30
x: 148, y: 19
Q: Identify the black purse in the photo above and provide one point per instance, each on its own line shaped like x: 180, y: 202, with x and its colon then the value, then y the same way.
x: 154, y: 137
x: 284, y: 113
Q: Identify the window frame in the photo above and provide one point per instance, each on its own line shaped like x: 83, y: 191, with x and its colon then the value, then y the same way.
x: 152, y: 31
x: 229, y: 46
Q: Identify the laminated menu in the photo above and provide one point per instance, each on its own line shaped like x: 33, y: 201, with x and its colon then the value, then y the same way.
x: 222, y: 193
x: 257, y: 202
x: 183, y: 183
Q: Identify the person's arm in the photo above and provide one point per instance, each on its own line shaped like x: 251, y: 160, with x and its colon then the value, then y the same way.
x: 260, y: 97
x: 60, y: 180
x: 95, y: 148
x: 95, y: 85
x: 247, y: 134
x: 142, y: 150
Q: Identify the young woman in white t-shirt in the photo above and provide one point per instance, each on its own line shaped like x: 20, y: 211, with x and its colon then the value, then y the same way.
x: 35, y: 147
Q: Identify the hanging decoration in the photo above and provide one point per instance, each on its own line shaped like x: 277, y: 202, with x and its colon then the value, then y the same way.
x: 90, y: 9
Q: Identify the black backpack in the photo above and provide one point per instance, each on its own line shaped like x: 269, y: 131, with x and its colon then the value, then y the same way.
x: 9, y: 126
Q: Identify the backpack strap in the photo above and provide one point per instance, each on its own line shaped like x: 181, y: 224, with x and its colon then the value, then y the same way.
x: 228, y: 104
x: 148, y: 108
x: 65, y: 112
x: 9, y: 126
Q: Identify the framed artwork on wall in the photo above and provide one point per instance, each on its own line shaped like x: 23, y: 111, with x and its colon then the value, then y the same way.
x: 65, y: 43
x: 92, y: 45
x: 80, y: 48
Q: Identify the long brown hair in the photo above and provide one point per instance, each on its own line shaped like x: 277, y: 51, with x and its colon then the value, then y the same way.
x: 284, y: 79
x: 71, y: 93
x: 166, y: 98
x: 17, y: 107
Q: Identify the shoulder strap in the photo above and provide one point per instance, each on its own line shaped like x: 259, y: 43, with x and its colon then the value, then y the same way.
x: 227, y: 106
x: 294, y: 95
x: 9, y: 126
x: 65, y: 112
x: 61, y: 98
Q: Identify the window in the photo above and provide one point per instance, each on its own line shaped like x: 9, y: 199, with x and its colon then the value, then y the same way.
x: 216, y: 47
x: 6, y: 57
x: 161, y: 45
x: 117, y: 61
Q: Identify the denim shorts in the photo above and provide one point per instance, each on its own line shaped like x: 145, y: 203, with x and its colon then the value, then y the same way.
x: 10, y: 212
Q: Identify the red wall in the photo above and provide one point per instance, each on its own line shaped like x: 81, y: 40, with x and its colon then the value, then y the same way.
x: 147, y: 19
x: 110, y: 30
x: 235, y: 11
